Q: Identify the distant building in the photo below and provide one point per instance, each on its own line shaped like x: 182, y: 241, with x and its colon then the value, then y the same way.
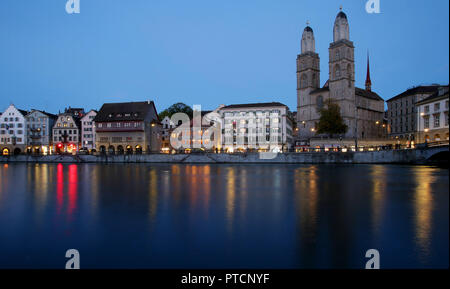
x: 432, y: 117
x: 130, y: 127
x: 13, y: 134
x: 39, y: 131
x: 167, y: 127
x: 194, y: 136
x: 76, y: 112
x: 360, y: 108
x: 253, y: 126
x: 67, y: 132
x: 402, y: 111
x: 88, y: 130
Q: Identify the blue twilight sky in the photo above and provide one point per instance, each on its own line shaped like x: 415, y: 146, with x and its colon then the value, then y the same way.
x: 206, y: 52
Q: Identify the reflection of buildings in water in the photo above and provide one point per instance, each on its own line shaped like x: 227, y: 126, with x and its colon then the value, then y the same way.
x: 41, y: 178
x: 92, y: 174
x: 59, y: 187
x: 378, y: 176
x: 153, y: 198
x: 423, y: 204
x: 3, y: 181
x: 230, y: 196
x: 192, y: 174
x: 306, y: 192
x: 306, y: 200
x: 71, y: 174
x: 176, y: 176
x: 73, y: 189
x: 206, y: 177
x: 243, y: 193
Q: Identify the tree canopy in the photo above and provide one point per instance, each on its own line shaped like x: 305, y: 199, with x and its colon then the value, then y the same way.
x: 174, y: 108
x: 331, y: 121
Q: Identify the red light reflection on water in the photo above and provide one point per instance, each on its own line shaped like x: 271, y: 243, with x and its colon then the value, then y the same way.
x: 72, y: 190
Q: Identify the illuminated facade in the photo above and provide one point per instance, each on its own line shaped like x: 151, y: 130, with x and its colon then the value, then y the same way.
x: 67, y: 133
x: 39, y: 126
x: 88, y: 130
x: 360, y: 108
x: 432, y: 117
x: 256, y: 126
x: 13, y: 133
x: 126, y: 128
x: 402, y: 111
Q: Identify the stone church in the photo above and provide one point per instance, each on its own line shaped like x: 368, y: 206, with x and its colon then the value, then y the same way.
x: 361, y: 109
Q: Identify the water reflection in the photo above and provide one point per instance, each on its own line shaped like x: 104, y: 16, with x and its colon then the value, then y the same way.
x: 378, y: 175
x: 230, y: 196
x: 423, y: 204
x: 190, y: 216
x: 153, y: 200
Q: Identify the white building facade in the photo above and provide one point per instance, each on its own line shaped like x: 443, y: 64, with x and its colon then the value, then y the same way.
x: 13, y: 134
x: 256, y: 127
x: 88, y: 130
x: 432, y: 117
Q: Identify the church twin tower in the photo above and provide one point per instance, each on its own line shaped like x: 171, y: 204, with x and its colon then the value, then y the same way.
x: 340, y: 86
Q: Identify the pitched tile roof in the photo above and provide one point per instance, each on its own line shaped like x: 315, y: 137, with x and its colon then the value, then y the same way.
x: 131, y: 111
x: 416, y: 90
x: 367, y: 94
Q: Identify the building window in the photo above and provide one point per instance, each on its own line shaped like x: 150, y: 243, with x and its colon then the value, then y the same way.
x: 426, y: 122
x: 337, y: 71
x: 437, y: 106
x: 427, y: 108
x: 436, y: 120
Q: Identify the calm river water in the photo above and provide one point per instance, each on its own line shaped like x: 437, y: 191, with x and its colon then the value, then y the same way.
x: 223, y: 216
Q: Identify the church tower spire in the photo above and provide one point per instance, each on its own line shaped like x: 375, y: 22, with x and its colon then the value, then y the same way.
x: 368, y: 81
x: 308, y: 80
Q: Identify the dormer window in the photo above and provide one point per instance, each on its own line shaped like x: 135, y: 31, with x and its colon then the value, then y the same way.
x: 135, y: 114
x: 127, y: 115
x: 110, y: 115
x: 119, y: 115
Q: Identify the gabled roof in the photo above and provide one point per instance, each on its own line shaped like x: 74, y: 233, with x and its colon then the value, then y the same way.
x: 367, y: 94
x: 424, y: 89
x: 23, y: 112
x: 440, y: 94
x: 51, y: 115
x: 127, y: 111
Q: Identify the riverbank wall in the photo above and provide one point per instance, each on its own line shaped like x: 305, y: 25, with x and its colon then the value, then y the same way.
x: 410, y: 156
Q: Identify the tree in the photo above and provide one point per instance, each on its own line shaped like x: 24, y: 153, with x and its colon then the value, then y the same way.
x: 174, y: 108
x: 331, y: 121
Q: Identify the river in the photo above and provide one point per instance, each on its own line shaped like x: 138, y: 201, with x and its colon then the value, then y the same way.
x: 223, y: 216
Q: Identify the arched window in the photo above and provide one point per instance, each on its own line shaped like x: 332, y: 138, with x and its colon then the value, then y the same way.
x: 338, y: 55
x: 319, y: 102
x: 337, y: 71
x: 303, y: 81
x: 314, y: 80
